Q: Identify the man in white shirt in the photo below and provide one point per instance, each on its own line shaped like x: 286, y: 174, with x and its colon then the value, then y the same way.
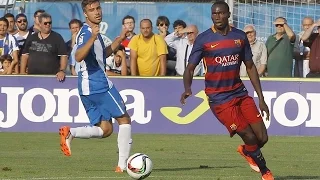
x: 259, y: 52
x: 182, y: 40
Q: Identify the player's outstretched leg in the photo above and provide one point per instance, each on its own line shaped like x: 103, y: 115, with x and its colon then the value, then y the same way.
x: 124, y: 141
x: 252, y: 149
x: 101, y: 130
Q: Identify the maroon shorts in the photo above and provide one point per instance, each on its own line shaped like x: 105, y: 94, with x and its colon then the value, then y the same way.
x: 237, y: 114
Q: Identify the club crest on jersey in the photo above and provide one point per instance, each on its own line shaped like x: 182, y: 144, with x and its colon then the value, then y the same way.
x: 237, y: 42
x: 80, y: 39
x: 233, y: 127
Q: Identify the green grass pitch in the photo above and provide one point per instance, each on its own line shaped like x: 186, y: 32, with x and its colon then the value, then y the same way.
x: 37, y: 156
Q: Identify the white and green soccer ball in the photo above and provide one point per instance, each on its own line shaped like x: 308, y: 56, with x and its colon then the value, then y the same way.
x: 139, y: 166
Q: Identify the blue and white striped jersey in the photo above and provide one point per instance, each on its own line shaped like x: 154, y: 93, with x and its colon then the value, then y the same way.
x: 92, y: 78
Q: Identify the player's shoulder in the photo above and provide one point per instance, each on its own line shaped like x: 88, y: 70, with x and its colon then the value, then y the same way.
x: 238, y: 32
x: 204, y: 36
x: 136, y: 38
x: 157, y: 37
x: 205, y: 33
x: 85, y: 29
x: 55, y: 34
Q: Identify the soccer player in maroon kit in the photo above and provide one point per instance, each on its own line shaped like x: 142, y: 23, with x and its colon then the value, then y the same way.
x: 223, y: 48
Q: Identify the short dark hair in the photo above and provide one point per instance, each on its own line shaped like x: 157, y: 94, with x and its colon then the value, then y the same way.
x: 128, y: 17
x: 121, y: 48
x: 9, y: 15
x: 84, y: 3
x: 222, y: 3
x: 38, y: 11
x: 163, y: 19
x: 4, y: 20
x: 75, y: 21
x: 5, y: 57
x: 146, y: 20
x: 179, y: 23
x: 20, y: 15
x: 44, y: 15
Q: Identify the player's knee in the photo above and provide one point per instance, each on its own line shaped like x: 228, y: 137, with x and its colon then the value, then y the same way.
x: 262, y: 141
x: 248, y: 137
x: 106, y: 133
x: 124, y: 119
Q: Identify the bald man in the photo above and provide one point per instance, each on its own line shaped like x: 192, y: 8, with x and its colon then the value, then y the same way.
x: 183, y: 41
x: 301, y: 52
x: 259, y: 52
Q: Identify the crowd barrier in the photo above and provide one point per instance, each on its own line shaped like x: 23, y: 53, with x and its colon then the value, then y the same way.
x: 42, y: 104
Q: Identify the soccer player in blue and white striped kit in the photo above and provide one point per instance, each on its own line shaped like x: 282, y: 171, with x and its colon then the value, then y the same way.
x: 99, y: 96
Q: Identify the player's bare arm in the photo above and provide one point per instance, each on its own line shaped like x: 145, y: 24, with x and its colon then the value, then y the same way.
x: 187, y: 81
x: 124, y: 67
x: 163, y: 64
x: 63, y: 66
x: 289, y: 32
x: 133, y: 62
x: 308, y: 32
x: 82, y: 52
x: 24, y: 62
x: 255, y: 81
x: 110, y: 49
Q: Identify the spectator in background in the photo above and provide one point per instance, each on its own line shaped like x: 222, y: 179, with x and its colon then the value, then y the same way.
x: 6, y: 61
x: 148, y: 52
x: 128, y: 22
x: 74, y: 26
x: 301, y: 52
x: 312, y: 40
x: 45, y: 52
x: 36, y: 25
x: 259, y: 52
x: 8, y: 45
x: 280, y: 50
x: 116, y: 64
x: 10, y: 18
x: 182, y: 40
x: 163, y: 24
x: 23, y: 33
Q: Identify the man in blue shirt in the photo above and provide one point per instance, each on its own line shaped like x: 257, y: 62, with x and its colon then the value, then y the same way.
x: 99, y: 97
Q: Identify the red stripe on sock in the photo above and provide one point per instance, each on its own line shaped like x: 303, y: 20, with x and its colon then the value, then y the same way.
x: 250, y: 148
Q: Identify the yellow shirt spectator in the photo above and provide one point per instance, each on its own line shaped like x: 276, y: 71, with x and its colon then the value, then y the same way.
x: 148, y: 52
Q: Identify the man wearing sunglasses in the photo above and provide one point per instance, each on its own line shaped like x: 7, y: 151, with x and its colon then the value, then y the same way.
x: 163, y: 24
x: 280, y: 50
x: 45, y: 52
x: 23, y: 32
x: 259, y: 52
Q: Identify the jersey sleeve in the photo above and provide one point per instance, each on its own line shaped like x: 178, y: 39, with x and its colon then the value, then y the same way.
x: 246, y: 54
x: 27, y: 45
x: 62, y: 48
x: 197, y: 52
x: 83, y: 37
x: 161, y: 46
x: 133, y: 44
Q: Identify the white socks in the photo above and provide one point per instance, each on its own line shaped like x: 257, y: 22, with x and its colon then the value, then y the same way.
x: 124, y: 139
x: 124, y: 144
x: 86, y: 132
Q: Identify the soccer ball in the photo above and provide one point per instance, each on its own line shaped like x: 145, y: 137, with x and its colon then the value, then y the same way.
x: 139, y: 166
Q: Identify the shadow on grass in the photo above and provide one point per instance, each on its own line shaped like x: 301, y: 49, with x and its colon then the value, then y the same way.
x: 195, y: 168
x: 296, y: 177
